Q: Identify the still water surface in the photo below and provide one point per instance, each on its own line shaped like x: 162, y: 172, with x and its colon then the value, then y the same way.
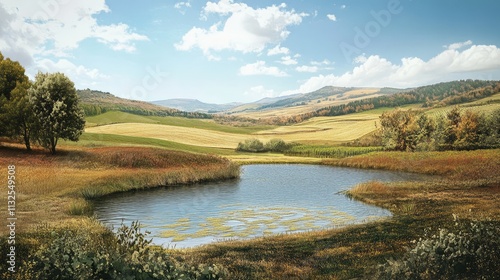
x: 267, y: 199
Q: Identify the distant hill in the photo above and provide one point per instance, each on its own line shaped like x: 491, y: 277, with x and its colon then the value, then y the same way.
x: 195, y: 105
x: 302, y: 103
x: 96, y: 102
x: 327, y: 101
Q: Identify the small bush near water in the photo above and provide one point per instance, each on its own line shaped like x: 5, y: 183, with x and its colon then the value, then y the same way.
x: 256, y: 146
x: 471, y: 251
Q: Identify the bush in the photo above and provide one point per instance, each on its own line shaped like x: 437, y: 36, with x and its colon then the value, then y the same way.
x: 470, y: 252
x: 251, y: 145
x: 276, y: 145
x: 78, y: 254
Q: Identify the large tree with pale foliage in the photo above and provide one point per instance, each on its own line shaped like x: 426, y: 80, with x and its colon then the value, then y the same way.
x: 55, y: 107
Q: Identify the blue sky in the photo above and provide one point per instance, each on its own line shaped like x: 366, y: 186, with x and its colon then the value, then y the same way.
x: 227, y: 51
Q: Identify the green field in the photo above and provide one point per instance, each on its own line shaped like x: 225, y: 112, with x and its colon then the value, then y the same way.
x: 122, y: 152
x: 208, y: 136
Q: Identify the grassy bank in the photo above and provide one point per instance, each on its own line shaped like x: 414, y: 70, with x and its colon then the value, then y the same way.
x: 468, y: 186
x: 53, y: 192
x: 53, y: 189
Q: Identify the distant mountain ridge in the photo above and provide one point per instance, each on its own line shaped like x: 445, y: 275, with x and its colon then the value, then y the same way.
x: 327, y: 101
x: 195, y: 105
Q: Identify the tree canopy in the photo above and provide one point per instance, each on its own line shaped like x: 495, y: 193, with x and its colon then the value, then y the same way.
x: 56, y: 111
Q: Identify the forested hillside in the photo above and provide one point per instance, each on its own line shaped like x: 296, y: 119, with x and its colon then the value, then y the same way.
x: 437, y: 95
x: 432, y: 96
x: 96, y: 102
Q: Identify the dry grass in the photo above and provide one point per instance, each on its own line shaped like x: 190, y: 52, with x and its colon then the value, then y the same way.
x: 316, y: 130
x: 184, y: 135
x: 469, y: 186
x: 313, y: 105
x: 50, y: 189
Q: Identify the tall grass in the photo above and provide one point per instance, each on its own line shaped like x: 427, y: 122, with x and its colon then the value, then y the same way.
x: 329, y: 151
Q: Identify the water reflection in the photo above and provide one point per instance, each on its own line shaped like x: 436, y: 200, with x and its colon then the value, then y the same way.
x: 268, y: 199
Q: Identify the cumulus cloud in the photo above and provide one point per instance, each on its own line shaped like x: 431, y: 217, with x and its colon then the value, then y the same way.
x: 459, y: 45
x: 42, y: 35
x: 57, y: 27
x: 278, y: 50
x: 260, y: 68
x: 67, y: 67
x: 245, y: 30
x: 376, y: 71
x: 287, y: 60
x: 331, y: 17
x: 305, y: 68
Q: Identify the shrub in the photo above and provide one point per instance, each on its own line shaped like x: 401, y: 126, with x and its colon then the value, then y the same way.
x: 79, y: 254
x: 470, y: 252
x: 251, y: 145
x: 276, y: 145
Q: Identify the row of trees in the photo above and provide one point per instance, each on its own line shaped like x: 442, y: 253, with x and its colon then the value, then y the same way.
x: 459, y: 130
x: 43, y: 111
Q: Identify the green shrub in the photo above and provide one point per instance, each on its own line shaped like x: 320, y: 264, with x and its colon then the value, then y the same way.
x: 276, y: 145
x: 251, y: 145
x: 78, y: 254
x: 472, y: 251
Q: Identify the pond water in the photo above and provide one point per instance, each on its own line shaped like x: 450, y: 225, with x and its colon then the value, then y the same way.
x: 267, y: 199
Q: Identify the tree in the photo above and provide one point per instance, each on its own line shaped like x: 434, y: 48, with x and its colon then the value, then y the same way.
x: 401, y: 130
x: 454, y: 118
x: 11, y: 74
x: 56, y: 111
x: 18, y: 113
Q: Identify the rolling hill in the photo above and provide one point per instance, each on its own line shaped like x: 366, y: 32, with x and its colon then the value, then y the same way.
x: 96, y: 102
x: 195, y: 105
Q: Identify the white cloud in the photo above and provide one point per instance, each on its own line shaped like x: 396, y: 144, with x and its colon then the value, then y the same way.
x: 260, y: 92
x: 287, y: 60
x: 181, y: 6
x: 343, y: 6
x: 57, y: 27
x: 245, y: 30
x: 459, y: 45
x: 70, y: 69
x: 278, y: 50
x: 324, y: 62
x: 260, y: 68
x: 305, y: 68
x: 475, y: 62
x: 331, y: 17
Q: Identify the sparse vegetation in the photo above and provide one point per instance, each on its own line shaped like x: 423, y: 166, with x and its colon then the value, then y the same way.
x: 468, y: 251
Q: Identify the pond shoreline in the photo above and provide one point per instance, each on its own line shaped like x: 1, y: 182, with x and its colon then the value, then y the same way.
x: 267, y: 199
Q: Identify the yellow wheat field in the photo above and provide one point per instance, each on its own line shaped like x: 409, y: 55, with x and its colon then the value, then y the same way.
x: 321, y: 129
x: 312, y: 106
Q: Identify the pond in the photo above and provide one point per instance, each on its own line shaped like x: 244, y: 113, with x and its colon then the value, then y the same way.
x: 267, y: 199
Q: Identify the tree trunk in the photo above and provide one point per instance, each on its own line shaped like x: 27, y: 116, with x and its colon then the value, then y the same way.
x: 53, y: 143
x: 27, y: 142
x: 26, y: 136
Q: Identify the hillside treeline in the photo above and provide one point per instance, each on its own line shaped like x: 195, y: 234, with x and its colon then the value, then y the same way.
x: 94, y: 102
x: 438, y: 95
x: 456, y: 130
